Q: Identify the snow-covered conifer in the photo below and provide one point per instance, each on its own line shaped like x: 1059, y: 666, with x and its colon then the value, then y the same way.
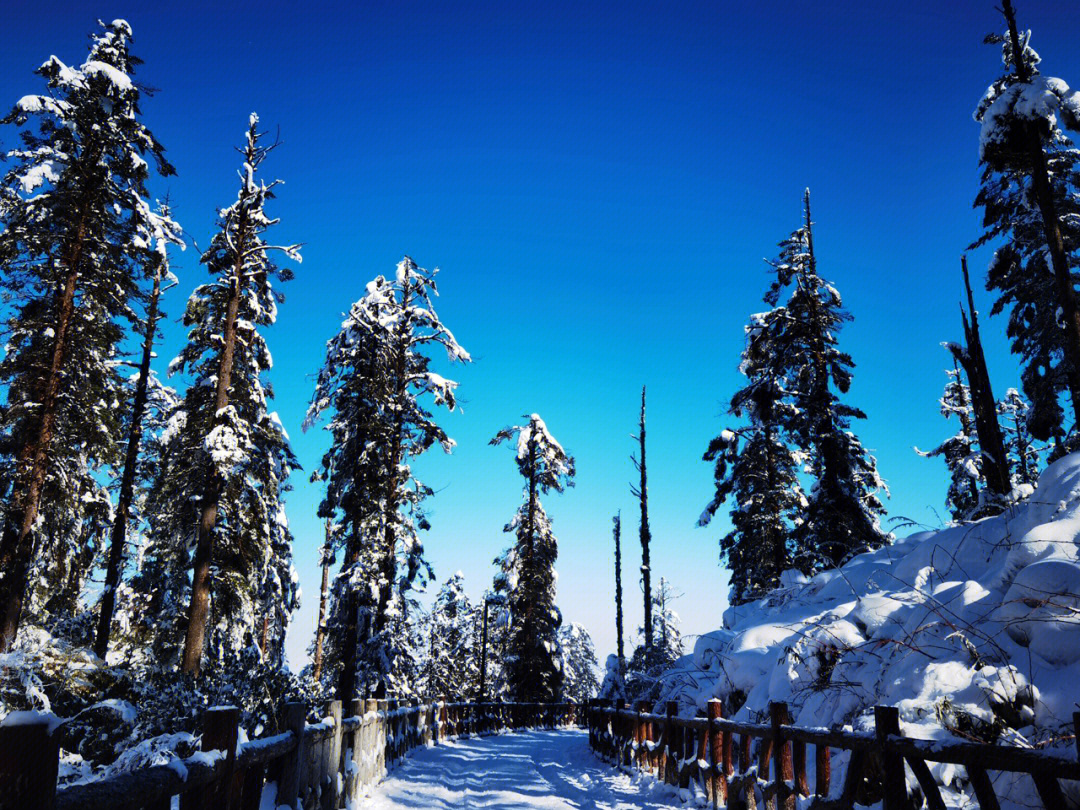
x: 220, y: 494
x: 378, y: 383
x: 163, y: 233
x: 1022, y: 448
x: 533, y: 663
x: 579, y: 663
x: 666, y: 632
x: 960, y: 451
x: 72, y: 254
x: 1029, y: 196
x: 613, y: 687
x: 844, y: 511
x: 452, y: 664
x: 648, y: 664
x: 757, y: 468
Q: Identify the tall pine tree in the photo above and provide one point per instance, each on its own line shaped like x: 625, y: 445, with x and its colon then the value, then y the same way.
x: 73, y: 250
x: 533, y: 662
x: 843, y: 514
x: 377, y: 382
x: 221, y: 492
x: 758, y: 469
x: 1029, y: 196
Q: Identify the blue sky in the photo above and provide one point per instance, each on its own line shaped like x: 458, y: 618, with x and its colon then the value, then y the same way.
x: 599, y: 184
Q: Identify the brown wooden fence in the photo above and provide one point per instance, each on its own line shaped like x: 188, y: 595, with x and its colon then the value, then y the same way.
x: 744, y: 765
x: 316, y: 766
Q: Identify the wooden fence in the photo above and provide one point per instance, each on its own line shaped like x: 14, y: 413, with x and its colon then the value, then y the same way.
x: 316, y: 766
x: 738, y: 765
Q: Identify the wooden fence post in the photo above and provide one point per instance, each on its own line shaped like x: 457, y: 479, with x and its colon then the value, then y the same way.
x: 29, y: 762
x: 822, y: 770
x: 353, y: 753
x: 331, y: 796
x: 219, y: 730
x: 294, y: 720
x: 704, y: 777
x: 716, y: 755
x: 640, y: 735
x: 671, y: 763
x: 887, y: 722
x: 687, y: 757
x: 784, y: 798
x: 798, y: 756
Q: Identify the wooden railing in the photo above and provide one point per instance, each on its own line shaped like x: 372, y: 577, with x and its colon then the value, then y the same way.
x: 734, y: 763
x: 319, y: 765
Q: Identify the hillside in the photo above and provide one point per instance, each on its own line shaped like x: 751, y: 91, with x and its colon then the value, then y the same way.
x: 972, y: 631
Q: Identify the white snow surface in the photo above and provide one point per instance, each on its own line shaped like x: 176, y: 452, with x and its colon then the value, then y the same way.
x: 536, y: 769
x: 976, y: 623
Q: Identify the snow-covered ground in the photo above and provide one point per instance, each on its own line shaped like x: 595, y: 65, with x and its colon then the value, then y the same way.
x: 545, y: 769
x: 973, y: 632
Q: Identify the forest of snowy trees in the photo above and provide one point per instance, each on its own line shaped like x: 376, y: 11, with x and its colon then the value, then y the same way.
x: 146, y: 558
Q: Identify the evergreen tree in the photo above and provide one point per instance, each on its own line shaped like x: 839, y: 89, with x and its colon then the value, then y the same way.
x: 376, y: 380
x: 613, y: 687
x: 666, y: 623
x: 1023, y: 453
x: 843, y: 514
x: 579, y: 663
x: 1030, y: 180
x: 227, y: 469
x: 959, y: 451
x: 452, y: 664
x: 648, y: 664
x: 164, y: 234
x: 533, y: 663
x: 760, y: 473
x: 494, y: 630
x: 73, y: 250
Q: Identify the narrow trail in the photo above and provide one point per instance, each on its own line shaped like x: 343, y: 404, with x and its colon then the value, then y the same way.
x: 529, y: 769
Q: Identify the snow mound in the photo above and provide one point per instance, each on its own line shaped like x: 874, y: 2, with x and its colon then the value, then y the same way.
x: 973, y: 632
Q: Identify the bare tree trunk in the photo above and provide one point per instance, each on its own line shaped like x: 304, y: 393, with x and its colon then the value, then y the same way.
x: 17, y: 546
x: 641, y: 491
x: 320, y: 628
x: 199, y: 611
x: 264, y: 638
x: 127, y: 482
x: 347, y: 680
x: 618, y: 596
x: 991, y: 442
x: 966, y: 429
x: 1040, y: 182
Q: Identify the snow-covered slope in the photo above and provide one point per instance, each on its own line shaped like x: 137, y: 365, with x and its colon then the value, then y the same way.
x: 972, y: 631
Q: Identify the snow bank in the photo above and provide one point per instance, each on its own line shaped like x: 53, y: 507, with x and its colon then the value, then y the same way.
x: 972, y: 631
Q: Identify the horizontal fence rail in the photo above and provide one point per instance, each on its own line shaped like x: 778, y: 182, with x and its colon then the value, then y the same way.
x: 318, y: 766
x: 747, y: 765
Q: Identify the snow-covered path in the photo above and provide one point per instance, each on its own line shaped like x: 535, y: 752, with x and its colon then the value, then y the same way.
x: 546, y: 769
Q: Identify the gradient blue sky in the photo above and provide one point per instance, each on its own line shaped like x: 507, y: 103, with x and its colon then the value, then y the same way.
x: 599, y: 184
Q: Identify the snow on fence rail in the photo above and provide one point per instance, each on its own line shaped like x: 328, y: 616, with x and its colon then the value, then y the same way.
x: 678, y: 750
x: 323, y: 765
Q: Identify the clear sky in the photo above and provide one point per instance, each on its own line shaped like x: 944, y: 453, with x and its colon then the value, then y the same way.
x: 599, y: 185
